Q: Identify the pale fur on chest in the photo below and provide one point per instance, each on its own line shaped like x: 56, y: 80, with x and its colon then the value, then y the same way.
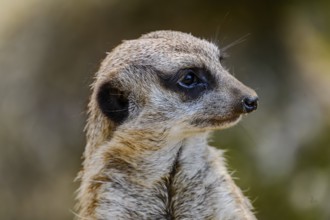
x: 183, y: 179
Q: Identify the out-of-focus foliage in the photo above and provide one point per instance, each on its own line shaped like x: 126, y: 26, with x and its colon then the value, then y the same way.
x: 49, y: 51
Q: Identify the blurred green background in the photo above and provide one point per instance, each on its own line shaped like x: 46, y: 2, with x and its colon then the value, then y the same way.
x: 49, y: 51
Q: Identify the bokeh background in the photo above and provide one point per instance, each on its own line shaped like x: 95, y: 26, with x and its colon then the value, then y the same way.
x: 49, y: 51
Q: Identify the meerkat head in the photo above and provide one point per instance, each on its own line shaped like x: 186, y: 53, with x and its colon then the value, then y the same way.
x: 168, y: 80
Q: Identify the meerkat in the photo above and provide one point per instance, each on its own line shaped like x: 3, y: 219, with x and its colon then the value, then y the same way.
x: 154, y: 102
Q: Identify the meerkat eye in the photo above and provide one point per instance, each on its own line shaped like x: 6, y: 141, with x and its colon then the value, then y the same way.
x: 191, y: 83
x: 189, y: 80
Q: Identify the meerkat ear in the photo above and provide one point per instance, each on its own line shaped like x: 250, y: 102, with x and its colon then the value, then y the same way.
x: 113, y: 103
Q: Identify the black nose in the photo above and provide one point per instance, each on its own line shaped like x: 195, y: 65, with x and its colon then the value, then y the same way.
x: 250, y: 104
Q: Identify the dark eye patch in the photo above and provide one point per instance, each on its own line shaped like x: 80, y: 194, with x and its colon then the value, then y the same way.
x: 190, y: 83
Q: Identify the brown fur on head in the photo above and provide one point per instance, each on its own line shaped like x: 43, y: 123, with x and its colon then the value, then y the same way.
x: 141, y: 84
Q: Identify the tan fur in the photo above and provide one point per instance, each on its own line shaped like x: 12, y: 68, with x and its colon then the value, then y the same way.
x: 154, y: 162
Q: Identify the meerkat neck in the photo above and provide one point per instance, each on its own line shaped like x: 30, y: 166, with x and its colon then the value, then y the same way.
x: 152, y: 157
x: 128, y: 162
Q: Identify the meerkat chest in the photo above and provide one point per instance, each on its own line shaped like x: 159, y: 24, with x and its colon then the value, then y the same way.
x: 184, y: 188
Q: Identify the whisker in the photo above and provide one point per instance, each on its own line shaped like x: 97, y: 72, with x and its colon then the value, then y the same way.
x: 219, y: 27
x: 236, y: 42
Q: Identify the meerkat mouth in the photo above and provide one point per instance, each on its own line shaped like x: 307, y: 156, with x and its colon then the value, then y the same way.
x: 216, y: 122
